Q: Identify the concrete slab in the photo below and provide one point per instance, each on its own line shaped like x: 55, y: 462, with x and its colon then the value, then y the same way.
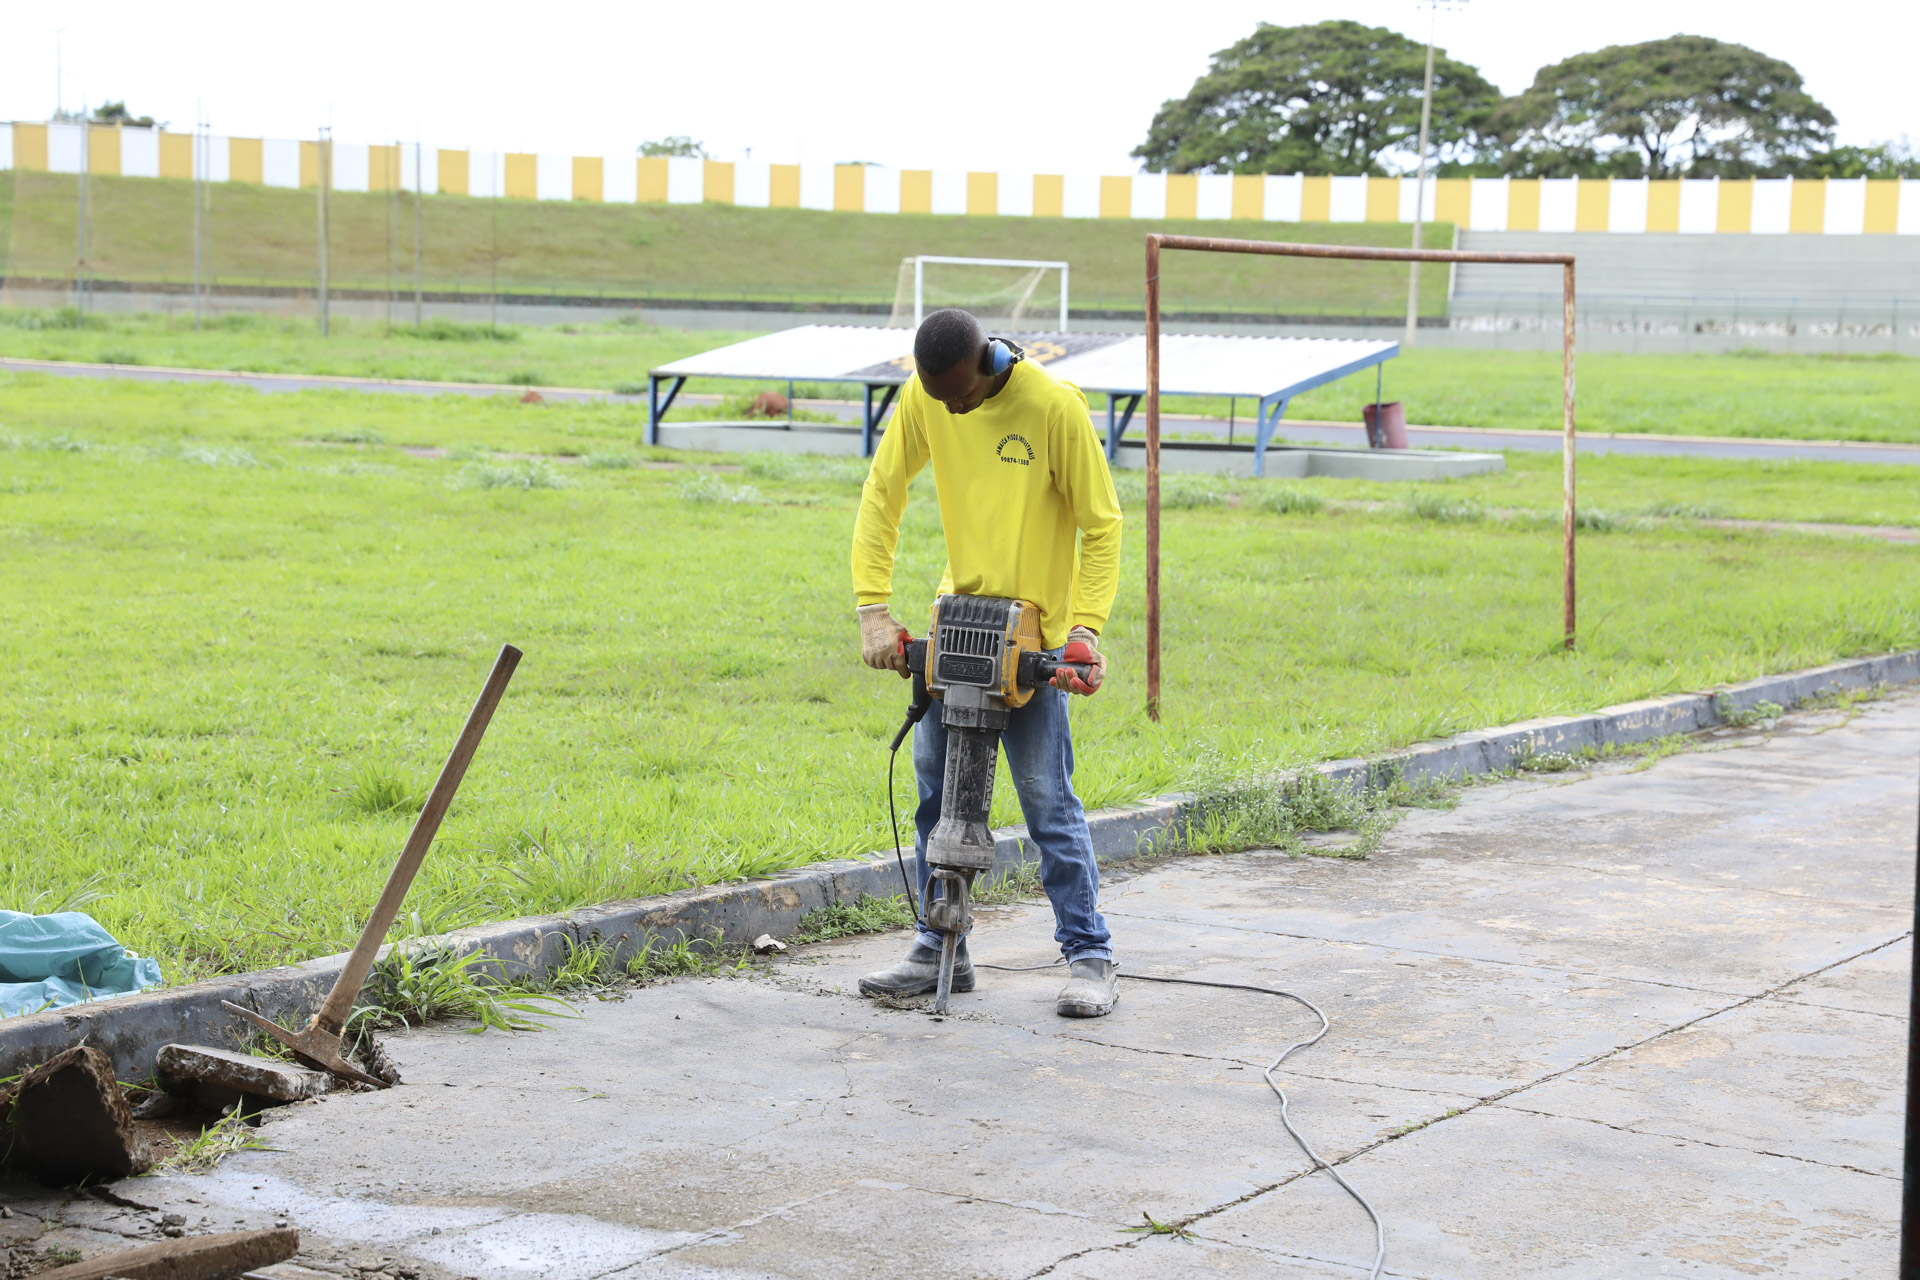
x: 1771, y: 1077
x: 1496, y: 1194
x: 1618, y: 1023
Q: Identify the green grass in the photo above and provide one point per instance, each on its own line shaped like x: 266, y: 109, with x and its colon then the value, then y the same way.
x: 142, y: 230
x: 1782, y: 396
x: 237, y: 652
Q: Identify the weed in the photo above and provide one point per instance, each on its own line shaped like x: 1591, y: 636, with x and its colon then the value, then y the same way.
x: 609, y: 461
x: 588, y: 965
x: 119, y: 355
x: 216, y: 456
x: 440, y: 329
x: 46, y: 903
x: 1154, y: 1227
x: 349, y: 435
x: 629, y: 388
x: 1744, y: 717
x: 1425, y: 504
x: 378, y: 788
x: 524, y: 378
x: 656, y: 962
x: 1286, y: 500
x: 1179, y: 490
x: 705, y: 487
x: 216, y: 1142
x: 1531, y: 761
x: 61, y: 1255
x: 843, y: 920
x: 523, y: 473
x: 62, y: 318
x: 418, y: 981
x: 1683, y: 511
x: 1011, y: 885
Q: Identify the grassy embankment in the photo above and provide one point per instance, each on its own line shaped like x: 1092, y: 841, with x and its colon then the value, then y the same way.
x: 240, y: 630
x: 265, y: 235
x: 1777, y: 396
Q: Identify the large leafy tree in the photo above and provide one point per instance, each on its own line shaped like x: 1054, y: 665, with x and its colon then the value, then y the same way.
x: 1687, y: 105
x: 1333, y: 97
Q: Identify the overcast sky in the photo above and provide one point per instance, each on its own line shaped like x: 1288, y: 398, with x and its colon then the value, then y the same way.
x: 1051, y: 87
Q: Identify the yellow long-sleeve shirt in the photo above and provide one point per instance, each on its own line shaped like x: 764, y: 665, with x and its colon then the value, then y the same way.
x: 1018, y: 478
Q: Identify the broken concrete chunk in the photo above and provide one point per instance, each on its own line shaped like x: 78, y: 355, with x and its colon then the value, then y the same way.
x: 242, y: 1072
x: 217, y: 1257
x: 766, y: 945
x: 70, y: 1121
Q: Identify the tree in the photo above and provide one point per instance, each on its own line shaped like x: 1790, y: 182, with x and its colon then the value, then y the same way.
x: 678, y: 144
x: 1333, y: 97
x: 117, y: 113
x: 1687, y: 105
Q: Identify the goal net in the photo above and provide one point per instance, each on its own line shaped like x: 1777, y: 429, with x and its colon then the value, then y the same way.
x: 1006, y: 294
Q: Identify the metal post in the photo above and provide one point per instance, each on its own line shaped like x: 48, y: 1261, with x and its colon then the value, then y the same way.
x: 199, y: 166
x: 80, y: 194
x: 1420, y: 184
x: 1153, y: 478
x: 323, y: 149
x: 417, y: 197
x: 1567, y: 453
x: 1910, y: 1182
x: 392, y: 178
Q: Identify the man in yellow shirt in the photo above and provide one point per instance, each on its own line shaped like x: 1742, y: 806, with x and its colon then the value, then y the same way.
x: 1022, y: 478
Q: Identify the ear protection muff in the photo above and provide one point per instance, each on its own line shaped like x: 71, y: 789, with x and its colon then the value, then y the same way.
x: 1001, y: 356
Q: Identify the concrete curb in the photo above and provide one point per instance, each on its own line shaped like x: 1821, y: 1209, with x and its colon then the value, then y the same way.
x: 131, y: 1029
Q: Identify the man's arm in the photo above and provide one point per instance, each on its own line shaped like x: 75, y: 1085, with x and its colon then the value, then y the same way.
x: 883, y: 500
x: 1088, y: 486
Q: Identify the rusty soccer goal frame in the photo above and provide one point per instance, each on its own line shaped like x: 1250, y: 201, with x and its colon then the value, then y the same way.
x: 1207, y: 244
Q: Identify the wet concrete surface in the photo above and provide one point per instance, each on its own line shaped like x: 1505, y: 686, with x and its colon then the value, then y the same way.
x: 1626, y: 1022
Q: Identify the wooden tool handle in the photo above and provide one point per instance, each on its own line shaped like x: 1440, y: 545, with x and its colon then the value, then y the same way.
x: 333, y: 1014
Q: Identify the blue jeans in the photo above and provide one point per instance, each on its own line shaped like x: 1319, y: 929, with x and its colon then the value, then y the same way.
x: 1039, y: 749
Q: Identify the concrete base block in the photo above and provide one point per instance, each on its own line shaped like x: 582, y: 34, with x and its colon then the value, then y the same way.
x: 1293, y: 462
x: 762, y: 437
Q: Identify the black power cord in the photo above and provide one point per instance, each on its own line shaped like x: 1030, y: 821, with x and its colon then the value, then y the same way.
x: 1379, y: 1231
x: 892, y: 813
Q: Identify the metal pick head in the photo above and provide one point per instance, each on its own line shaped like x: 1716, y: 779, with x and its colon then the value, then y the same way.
x: 318, y: 1049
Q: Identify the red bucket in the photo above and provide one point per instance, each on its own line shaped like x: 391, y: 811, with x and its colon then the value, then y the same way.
x: 1388, y: 428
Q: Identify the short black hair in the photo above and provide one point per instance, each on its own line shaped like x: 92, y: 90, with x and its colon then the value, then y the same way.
x: 945, y: 338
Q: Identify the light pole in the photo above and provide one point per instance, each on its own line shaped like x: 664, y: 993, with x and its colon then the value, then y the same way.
x: 1420, y: 183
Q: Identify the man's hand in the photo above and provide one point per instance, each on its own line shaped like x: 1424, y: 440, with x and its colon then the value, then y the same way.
x: 1082, y: 648
x: 882, y: 639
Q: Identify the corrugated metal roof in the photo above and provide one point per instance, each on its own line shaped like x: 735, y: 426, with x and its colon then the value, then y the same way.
x: 1190, y: 364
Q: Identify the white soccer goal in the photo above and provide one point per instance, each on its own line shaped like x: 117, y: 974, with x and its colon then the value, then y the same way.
x: 1004, y: 293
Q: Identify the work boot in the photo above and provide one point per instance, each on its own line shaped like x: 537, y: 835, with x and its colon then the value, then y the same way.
x: 919, y: 973
x: 1092, y: 991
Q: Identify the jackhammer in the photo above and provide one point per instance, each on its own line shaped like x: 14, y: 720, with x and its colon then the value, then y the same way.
x: 982, y: 659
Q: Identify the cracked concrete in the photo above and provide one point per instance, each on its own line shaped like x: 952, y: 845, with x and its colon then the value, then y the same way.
x: 1628, y: 1022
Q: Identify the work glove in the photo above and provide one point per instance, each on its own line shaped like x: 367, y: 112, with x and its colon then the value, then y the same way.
x: 882, y: 639
x: 1083, y: 648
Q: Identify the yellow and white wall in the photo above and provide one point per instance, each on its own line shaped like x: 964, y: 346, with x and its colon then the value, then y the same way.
x: 1757, y: 206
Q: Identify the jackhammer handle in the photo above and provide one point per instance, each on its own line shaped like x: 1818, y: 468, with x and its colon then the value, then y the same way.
x: 353, y: 976
x: 917, y: 709
x: 1045, y: 668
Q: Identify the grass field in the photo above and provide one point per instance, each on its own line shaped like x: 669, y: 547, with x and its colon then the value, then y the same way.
x: 241, y: 629
x: 1778, y: 396
x: 266, y: 235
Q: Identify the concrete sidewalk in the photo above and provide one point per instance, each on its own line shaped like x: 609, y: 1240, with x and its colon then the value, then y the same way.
x: 1626, y: 1023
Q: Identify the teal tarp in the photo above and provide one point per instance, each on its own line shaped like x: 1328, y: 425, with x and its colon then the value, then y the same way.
x: 49, y: 962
